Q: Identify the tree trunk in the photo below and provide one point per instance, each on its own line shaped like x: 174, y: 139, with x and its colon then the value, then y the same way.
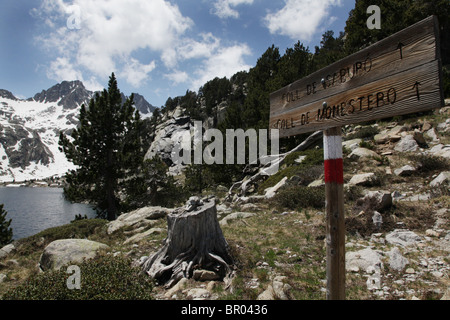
x: 110, y: 183
x: 194, y: 241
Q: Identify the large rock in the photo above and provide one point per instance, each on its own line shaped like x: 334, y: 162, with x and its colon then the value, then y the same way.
x: 267, y: 294
x: 431, y: 133
x: 442, y: 178
x: 138, y: 218
x: 395, y: 131
x: 234, y: 216
x: 377, y: 200
x: 391, y: 135
x: 364, y: 179
x: 404, y: 238
x: 278, y: 290
x: 365, y: 260
x: 205, y: 275
x: 174, y: 131
x: 407, y: 144
x: 396, y: 260
x: 404, y: 171
x: 440, y: 150
x: 68, y: 251
x: 351, y: 144
x: 4, y: 251
x: 359, y: 153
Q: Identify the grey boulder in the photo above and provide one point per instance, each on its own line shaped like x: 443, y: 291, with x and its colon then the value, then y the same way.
x: 68, y: 251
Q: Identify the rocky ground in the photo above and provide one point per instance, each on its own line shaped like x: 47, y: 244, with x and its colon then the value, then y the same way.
x: 397, y: 179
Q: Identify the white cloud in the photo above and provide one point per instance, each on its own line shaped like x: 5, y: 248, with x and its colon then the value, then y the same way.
x: 224, y: 63
x: 300, y: 19
x: 132, y: 38
x: 177, y: 77
x: 107, y: 33
x: 61, y: 69
x: 136, y: 73
x: 93, y: 84
x: 224, y: 8
x: 191, y: 49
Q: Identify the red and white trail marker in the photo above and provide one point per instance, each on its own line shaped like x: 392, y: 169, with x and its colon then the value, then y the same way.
x: 334, y: 190
x: 333, y: 163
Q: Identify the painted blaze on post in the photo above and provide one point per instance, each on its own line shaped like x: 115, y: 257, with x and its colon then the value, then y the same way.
x: 398, y: 75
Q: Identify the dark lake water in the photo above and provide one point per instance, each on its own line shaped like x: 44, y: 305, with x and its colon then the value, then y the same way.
x: 35, y: 209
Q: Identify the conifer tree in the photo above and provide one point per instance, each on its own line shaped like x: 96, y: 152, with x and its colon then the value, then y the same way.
x: 106, y: 147
x: 5, y: 230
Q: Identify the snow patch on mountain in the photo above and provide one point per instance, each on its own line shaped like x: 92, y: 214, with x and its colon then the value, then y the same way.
x: 29, y: 135
x: 29, y: 130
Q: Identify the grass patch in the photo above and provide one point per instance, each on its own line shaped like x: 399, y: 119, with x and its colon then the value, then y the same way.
x: 103, y: 278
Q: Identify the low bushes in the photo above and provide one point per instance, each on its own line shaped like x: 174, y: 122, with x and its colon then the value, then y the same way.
x: 298, y: 197
x: 104, y: 278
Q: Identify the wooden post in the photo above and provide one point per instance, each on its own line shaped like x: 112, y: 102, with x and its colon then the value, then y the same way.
x: 334, y: 183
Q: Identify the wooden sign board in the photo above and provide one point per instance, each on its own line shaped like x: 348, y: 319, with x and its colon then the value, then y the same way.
x: 398, y: 75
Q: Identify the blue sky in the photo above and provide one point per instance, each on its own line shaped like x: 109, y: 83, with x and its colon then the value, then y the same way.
x: 158, y: 48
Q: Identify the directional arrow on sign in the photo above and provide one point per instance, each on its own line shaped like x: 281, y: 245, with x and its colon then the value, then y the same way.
x: 400, y: 47
x: 416, y: 85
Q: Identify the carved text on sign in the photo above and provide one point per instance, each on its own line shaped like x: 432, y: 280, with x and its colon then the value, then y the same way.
x: 340, y: 76
x: 395, y: 76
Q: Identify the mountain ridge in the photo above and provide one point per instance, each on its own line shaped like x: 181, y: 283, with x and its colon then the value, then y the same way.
x: 70, y: 94
x: 29, y: 129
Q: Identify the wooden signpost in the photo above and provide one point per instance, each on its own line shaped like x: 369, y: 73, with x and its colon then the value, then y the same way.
x: 398, y: 75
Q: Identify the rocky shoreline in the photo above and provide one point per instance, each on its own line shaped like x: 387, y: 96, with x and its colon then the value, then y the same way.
x: 53, y: 182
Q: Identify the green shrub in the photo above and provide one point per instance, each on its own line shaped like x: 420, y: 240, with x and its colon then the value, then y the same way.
x: 298, y: 197
x: 367, y: 132
x: 103, y: 278
x: 367, y: 145
x: 353, y: 193
x: 428, y: 163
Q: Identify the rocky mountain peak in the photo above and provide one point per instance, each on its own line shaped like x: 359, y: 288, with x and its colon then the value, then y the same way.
x: 143, y: 105
x: 69, y: 94
x: 7, y: 94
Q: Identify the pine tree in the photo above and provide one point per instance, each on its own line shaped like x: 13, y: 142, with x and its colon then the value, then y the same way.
x: 5, y: 231
x: 106, y: 147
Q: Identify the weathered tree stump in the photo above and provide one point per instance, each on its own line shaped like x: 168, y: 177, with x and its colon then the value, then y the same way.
x: 194, y: 241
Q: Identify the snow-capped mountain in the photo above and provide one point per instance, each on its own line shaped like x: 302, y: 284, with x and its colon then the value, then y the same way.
x: 29, y: 130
